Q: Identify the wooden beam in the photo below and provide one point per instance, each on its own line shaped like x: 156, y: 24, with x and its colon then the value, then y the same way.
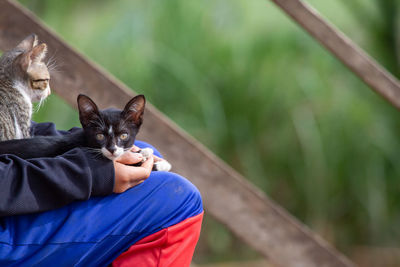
x: 254, y: 263
x: 371, y: 72
x: 230, y: 198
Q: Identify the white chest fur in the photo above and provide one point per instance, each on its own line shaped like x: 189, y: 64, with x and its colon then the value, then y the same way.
x: 18, y: 132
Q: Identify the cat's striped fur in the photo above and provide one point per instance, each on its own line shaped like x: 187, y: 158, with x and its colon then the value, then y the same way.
x: 24, y: 79
x: 15, y: 112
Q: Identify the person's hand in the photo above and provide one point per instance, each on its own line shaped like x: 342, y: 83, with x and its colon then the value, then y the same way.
x: 129, y: 176
x: 136, y: 149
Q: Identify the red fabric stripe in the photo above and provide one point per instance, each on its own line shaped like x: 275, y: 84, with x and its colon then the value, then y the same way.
x: 172, y: 246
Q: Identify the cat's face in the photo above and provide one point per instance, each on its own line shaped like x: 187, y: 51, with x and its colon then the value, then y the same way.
x: 112, y: 131
x: 25, y: 66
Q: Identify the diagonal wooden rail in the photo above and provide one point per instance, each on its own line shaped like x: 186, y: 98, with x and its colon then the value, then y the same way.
x: 374, y: 75
x: 228, y: 196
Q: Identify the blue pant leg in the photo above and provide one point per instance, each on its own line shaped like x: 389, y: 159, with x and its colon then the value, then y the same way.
x: 94, y: 232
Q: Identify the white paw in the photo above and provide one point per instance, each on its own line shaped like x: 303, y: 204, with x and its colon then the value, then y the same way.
x: 146, y: 153
x: 163, y: 166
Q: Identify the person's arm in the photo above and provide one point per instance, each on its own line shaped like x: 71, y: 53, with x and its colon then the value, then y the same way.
x: 36, y: 185
x: 48, y: 128
x: 125, y: 176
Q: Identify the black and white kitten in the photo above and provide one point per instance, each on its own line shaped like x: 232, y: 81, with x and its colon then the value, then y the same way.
x: 111, y: 132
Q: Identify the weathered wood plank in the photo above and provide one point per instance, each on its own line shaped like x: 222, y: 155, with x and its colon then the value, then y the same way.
x: 254, y: 263
x: 244, y: 209
x: 373, y: 74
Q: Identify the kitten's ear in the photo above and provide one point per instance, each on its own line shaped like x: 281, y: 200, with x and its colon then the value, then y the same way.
x: 33, y: 56
x: 87, y: 110
x: 38, y: 53
x: 28, y: 43
x: 134, y: 109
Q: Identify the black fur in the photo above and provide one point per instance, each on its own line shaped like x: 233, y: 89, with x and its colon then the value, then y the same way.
x: 93, y: 122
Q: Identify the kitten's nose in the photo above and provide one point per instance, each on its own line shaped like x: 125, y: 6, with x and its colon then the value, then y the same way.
x: 111, y: 149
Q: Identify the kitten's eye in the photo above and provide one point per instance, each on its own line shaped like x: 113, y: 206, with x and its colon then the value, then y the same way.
x: 123, y: 136
x: 99, y: 136
x: 40, y: 84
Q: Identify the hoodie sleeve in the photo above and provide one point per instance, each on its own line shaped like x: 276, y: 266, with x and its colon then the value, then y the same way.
x: 36, y: 185
x: 48, y: 128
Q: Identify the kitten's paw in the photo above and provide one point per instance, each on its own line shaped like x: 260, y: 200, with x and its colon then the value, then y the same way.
x: 162, y: 165
x: 146, y: 153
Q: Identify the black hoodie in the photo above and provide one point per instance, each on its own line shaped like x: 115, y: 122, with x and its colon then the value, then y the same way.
x: 41, y: 184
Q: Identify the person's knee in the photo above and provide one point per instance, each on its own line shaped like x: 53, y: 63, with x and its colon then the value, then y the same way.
x: 190, y: 190
x: 180, y: 194
x: 162, y: 200
x: 180, y: 186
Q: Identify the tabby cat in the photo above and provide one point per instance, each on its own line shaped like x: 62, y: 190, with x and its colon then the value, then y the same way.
x: 24, y: 78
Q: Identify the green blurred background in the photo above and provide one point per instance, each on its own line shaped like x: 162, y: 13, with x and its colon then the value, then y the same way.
x: 259, y: 92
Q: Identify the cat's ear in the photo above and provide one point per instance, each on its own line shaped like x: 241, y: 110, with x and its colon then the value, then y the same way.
x: 38, y: 53
x: 87, y: 110
x: 28, y: 43
x: 134, y: 109
x: 33, y: 56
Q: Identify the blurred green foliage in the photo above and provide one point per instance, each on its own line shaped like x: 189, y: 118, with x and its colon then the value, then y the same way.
x: 264, y: 96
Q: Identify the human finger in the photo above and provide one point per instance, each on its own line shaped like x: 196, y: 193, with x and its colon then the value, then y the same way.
x: 128, y: 176
x: 130, y: 158
x: 148, y: 164
x: 134, y: 173
x: 135, y: 148
x: 156, y: 158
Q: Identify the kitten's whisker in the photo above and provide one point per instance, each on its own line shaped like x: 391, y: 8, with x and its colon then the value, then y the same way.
x: 39, y: 105
x: 97, y: 153
x: 98, y: 156
x: 93, y: 149
x: 52, y: 64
